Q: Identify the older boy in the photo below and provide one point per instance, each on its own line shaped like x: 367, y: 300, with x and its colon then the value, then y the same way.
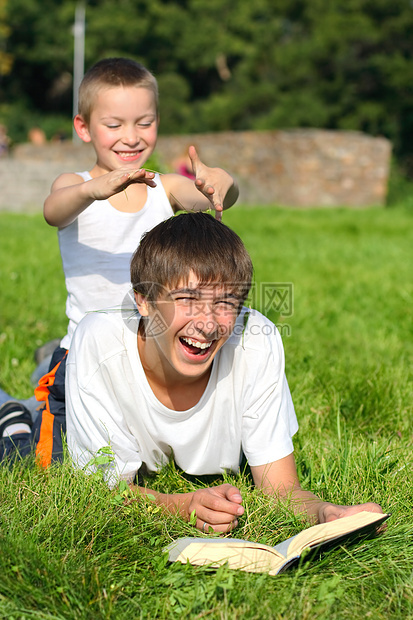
x: 101, y: 214
x: 193, y: 375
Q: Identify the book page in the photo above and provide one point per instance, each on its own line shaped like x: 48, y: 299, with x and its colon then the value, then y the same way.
x: 240, y: 554
x: 327, y: 531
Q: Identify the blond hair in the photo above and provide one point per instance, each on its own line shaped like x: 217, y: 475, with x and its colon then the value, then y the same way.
x: 112, y: 72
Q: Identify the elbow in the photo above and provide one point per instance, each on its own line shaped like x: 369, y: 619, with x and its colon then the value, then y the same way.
x: 49, y: 215
x: 49, y: 220
x: 53, y: 218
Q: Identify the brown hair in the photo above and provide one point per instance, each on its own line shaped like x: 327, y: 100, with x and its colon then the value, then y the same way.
x: 191, y: 242
x: 113, y: 72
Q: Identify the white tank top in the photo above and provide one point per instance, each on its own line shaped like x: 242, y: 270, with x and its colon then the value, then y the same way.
x: 96, y: 250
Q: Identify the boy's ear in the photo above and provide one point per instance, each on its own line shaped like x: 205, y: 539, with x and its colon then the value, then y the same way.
x: 81, y: 128
x: 142, y: 303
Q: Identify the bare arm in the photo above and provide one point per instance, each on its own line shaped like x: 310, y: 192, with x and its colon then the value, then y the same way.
x: 213, y: 188
x: 217, y: 507
x: 70, y: 194
x: 280, y: 479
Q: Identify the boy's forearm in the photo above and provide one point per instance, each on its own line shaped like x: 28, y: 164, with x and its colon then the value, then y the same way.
x: 63, y: 205
x: 175, y: 503
x: 304, y: 502
x: 279, y: 479
x: 317, y: 510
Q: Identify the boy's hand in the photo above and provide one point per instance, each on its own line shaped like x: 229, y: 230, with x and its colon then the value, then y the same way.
x: 216, y: 508
x: 331, y: 512
x: 118, y: 180
x: 214, y: 183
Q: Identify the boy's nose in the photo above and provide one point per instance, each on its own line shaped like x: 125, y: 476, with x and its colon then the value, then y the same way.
x: 131, y: 137
x: 205, y: 321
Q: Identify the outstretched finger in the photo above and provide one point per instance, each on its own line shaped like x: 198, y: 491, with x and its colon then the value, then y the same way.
x: 194, y: 157
x: 216, y: 205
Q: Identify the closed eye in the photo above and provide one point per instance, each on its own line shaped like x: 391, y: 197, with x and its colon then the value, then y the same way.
x: 185, y: 299
x: 147, y: 121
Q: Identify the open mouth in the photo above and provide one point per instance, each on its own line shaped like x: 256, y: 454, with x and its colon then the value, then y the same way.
x: 195, y: 347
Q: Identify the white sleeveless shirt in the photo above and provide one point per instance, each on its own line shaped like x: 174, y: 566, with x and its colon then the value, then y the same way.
x: 96, y: 250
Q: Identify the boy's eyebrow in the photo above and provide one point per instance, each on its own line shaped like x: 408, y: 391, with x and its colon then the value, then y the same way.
x: 198, y: 291
x: 193, y: 291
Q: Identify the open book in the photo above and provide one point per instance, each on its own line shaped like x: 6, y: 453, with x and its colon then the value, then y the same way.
x: 257, y: 558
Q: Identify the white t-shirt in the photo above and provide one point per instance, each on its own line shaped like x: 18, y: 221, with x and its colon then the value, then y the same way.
x: 246, y: 405
x: 96, y: 250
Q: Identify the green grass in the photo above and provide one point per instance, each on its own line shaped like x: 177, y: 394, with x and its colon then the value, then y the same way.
x: 70, y: 549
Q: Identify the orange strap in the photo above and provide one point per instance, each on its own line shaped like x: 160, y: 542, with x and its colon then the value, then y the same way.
x: 42, y: 390
x: 44, y: 446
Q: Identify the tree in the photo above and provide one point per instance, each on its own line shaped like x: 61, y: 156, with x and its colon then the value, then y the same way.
x: 5, y: 58
x: 339, y: 64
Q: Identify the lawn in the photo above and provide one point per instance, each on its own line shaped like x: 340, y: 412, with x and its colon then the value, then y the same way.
x: 70, y: 548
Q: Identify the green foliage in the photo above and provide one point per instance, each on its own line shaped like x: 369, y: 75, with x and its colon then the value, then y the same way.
x: 174, y: 105
x: 19, y: 120
x: 251, y: 65
x: 400, y: 188
x: 5, y: 58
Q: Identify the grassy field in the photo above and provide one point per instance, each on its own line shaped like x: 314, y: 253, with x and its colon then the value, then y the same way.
x: 70, y: 548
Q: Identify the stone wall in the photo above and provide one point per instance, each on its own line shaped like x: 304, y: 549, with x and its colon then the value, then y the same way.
x: 296, y: 168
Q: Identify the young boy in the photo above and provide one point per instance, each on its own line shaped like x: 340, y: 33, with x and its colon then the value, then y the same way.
x: 194, y: 376
x: 101, y: 214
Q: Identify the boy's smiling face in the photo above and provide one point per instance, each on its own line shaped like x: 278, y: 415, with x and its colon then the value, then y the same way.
x: 123, y: 127
x: 190, y: 323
